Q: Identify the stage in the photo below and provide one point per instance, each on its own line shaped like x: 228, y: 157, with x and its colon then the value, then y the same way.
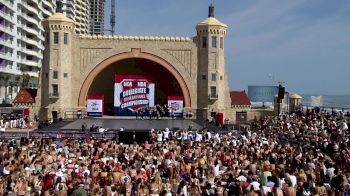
x: 128, y: 124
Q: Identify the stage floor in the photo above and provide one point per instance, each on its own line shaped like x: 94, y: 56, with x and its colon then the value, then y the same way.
x: 132, y: 124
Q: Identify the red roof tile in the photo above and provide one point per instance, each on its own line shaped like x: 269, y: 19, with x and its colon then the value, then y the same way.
x: 239, y: 98
x: 25, y: 96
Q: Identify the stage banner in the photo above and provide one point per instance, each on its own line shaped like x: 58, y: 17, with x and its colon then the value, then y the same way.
x: 175, y: 104
x: 95, y: 106
x: 132, y: 92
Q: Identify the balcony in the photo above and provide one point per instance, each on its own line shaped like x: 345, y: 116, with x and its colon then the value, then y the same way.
x: 8, y: 30
x: 212, y: 96
x: 7, y: 16
x: 29, y: 41
x: 46, y: 12
x: 54, y: 95
x: 6, y: 56
x: 29, y: 29
x: 48, y: 4
x: 29, y: 62
x: 9, y: 5
x: 30, y: 8
x: 7, y: 43
x: 32, y: 52
x: 35, y: 1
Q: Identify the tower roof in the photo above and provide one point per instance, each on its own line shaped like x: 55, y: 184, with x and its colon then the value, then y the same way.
x: 59, y: 17
x: 211, y: 20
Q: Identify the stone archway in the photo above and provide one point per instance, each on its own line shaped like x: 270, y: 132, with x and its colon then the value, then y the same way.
x: 135, y: 53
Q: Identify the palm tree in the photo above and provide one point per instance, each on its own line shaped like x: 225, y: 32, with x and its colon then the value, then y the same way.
x: 6, y: 80
x: 1, y: 79
x: 25, y: 80
x: 18, y: 79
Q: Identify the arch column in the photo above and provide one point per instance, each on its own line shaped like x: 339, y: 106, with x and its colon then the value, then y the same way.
x: 135, y: 53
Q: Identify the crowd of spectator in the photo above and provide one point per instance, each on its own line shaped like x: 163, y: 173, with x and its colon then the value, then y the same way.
x: 14, y: 121
x: 297, y: 154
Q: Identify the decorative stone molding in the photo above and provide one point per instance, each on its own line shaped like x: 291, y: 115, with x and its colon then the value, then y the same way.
x: 137, y: 38
x: 88, y: 54
x: 183, y: 56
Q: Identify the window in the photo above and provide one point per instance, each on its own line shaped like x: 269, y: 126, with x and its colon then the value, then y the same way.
x: 204, y: 42
x: 204, y: 77
x: 55, y: 90
x: 47, y: 75
x: 213, y: 91
x: 65, y: 75
x: 55, y: 37
x: 213, y: 41
x: 221, y: 42
x: 55, y: 74
x: 213, y: 77
x: 65, y: 38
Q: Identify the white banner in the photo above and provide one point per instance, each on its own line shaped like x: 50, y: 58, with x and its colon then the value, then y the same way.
x: 94, y: 106
x: 176, y: 106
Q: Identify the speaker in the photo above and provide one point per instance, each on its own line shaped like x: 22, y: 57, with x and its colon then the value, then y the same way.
x: 280, y: 92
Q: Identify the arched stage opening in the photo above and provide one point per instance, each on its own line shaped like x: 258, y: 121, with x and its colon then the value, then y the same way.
x: 101, y: 80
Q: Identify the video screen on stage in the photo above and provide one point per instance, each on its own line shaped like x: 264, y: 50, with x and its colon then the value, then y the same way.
x: 132, y: 92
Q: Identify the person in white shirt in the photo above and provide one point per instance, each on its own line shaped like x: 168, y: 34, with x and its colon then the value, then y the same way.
x: 159, y: 136
x: 166, y: 134
x: 198, y: 137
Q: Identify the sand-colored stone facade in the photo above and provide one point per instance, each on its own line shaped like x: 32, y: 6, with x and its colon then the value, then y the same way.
x: 72, y: 61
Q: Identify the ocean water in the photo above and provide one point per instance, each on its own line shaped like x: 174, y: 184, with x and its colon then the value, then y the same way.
x: 329, y: 101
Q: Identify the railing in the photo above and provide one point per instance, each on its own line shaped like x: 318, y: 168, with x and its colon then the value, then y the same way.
x: 74, y: 114
x: 58, y: 134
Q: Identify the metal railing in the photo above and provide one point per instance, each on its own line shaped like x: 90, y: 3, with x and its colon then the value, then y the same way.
x: 74, y: 114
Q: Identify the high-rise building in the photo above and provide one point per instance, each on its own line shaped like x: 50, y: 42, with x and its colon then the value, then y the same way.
x: 78, y: 11
x: 21, y: 43
x: 97, y: 16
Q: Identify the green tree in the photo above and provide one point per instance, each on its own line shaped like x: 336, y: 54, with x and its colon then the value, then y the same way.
x: 25, y: 80
x: 6, y: 79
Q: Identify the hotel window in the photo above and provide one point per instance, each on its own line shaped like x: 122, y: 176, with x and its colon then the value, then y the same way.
x: 65, y: 38
x: 55, y: 37
x: 213, y: 77
x: 204, y: 42
x: 221, y: 42
x: 213, y: 41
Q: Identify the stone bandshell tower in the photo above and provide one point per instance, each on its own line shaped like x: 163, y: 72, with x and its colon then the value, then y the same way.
x: 72, y: 62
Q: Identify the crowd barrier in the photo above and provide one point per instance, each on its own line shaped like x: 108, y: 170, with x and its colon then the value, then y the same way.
x: 58, y: 134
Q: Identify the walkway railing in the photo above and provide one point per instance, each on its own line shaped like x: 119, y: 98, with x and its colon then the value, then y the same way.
x: 58, y: 134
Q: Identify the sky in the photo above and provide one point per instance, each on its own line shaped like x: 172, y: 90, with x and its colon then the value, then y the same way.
x: 305, y: 44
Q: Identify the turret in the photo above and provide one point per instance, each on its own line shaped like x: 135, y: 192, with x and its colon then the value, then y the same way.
x: 57, y: 63
x: 213, y: 88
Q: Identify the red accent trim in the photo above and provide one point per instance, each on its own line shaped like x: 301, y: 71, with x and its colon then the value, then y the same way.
x: 175, y: 98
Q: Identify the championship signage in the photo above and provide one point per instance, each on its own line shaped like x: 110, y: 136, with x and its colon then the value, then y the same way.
x: 132, y: 92
x: 95, y: 106
x: 175, y: 104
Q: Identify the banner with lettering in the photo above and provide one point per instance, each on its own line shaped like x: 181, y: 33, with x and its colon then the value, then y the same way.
x: 175, y: 104
x: 95, y: 105
x: 132, y: 92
